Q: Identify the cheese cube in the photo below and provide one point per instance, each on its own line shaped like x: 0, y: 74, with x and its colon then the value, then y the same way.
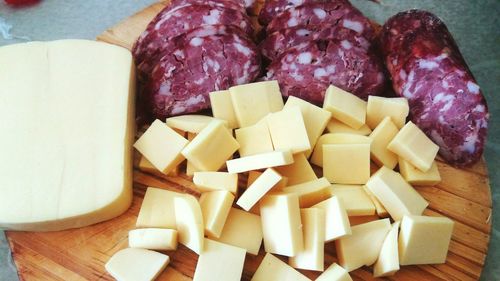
x: 219, y: 262
x: 162, y: 146
x: 288, y: 130
x: 311, y: 192
x: 210, y: 181
x: 189, y: 220
x: 258, y: 189
x: 379, y: 208
x: 388, y: 260
x: 211, y: 147
x: 398, y: 197
x: 355, y: 220
x: 190, y: 168
x: 146, y: 166
x: 242, y: 229
x: 334, y: 273
x: 336, y: 220
x: 363, y: 246
x: 153, y: 239
x: 157, y: 209
x: 281, y: 224
x: 313, y: 228
x: 336, y: 126
x: 191, y: 123
x: 315, y: 118
x: 317, y: 156
x: 380, y: 107
x: 346, y: 163
x: 132, y: 264
x: 253, y: 175
x: 272, y: 268
x: 356, y: 200
x: 260, y: 161
x: 254, y: 139
x: 381, y: 136
x: 416, y: 177
x: 424, y: 240
x: 414, y: 146
x: 251, y: 102
x: 215, y: 206
x: 345, y: 107
x: 299, y: 171
x: 222, y: 107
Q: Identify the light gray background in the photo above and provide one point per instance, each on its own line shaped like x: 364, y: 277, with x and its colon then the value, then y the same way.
x: 474, y: 24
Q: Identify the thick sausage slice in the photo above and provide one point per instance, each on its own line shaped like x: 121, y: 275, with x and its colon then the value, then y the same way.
x: 427, y: 67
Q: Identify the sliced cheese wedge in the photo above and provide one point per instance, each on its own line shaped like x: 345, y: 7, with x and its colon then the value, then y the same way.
x: 189, y: 221
x: 133, y: 264
x: 388, y: 260
x: 153, y: 239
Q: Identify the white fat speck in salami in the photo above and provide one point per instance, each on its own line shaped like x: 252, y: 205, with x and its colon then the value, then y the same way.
x: 346, y: 44
x: 196, y: 42
x: 473, y: 87
x: 305, y: 58
x: 354, y: 25
x: 320, y: 13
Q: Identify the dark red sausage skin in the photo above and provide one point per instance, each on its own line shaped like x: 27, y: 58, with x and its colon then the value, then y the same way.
x: 428, y: 69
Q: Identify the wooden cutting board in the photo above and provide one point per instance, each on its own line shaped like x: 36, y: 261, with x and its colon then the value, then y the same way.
x: 80, y: 254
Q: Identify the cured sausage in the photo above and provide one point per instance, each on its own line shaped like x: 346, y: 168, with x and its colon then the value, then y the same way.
x: 206, y: 59
x: 273, y: 8
x: 278, y: 42
x: 158, y: 37
x: 428, y: 69
x: 306, y: 71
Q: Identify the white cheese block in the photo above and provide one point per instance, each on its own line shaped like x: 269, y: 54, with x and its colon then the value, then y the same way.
x: 157, y: 209
x: 153, y: 239
x: 260, y: 161
x: 67, y: 111
x: 272, y: 268
x: 388, y: 260
x: 133, y: 264
x: 189, y: 221
x: 219, y: 262
x: 334, y: 273
x: 313, y: 228
x: 215, y: 206
x: 259, y: 188
x: 336, y: 220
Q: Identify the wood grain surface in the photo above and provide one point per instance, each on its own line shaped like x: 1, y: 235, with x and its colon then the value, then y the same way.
x: 80, y: 254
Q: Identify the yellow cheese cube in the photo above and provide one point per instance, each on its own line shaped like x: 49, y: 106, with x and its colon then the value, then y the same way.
x: 299, y: 171
x: 363, y: 246
x: 424, y: 240
x: 388, y: 260
x: 162, y: 146
x: 254, y: 139
x: 146, y: 166
x: 133, y: 264
x: 315, y: 118
x: 379, y: 208
x: 153, y: 239
x: 189, y: 220
x: 414, y: 176
x: 313, y: 228
x: 356, y: 200
x: 272, y: 268
x: 334, y: 273
x: 220, y: 262
x: 157, y: 209
x: 253, y: 175
x: 345, y: 107
x: 414, y: 146
x: 355, y: 220
x: 346, y: 163
x: 222, y: 107
x: 242, y: 229
x: 260, y: 161
x: 336, y: 220
x: 288, y: 130
x: 190, y: 168
x: 215, y: 206
x: 380, y: 107
x: 211, y: 147
x: 381, y: 136
x: 281, y: 224
x: 191, y: 123
x: 336, y: 126
x: 210, y: 181
x: 258, y: 189
x: 251, y: 102
x: 398, y: 197
x: 317, y: 156
x: 311, y: 192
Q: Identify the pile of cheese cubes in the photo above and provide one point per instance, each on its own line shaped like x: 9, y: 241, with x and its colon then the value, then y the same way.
x: 371, y: 212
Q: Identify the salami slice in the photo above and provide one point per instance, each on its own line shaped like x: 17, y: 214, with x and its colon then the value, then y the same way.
x: 340, y: 12
x: 278, y: 42
x: 212, y: 61
x: 157, y: 38
x: 427, y: 67
x: 308, y: 70
x: 229, y: 4
x: 273, y: 8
